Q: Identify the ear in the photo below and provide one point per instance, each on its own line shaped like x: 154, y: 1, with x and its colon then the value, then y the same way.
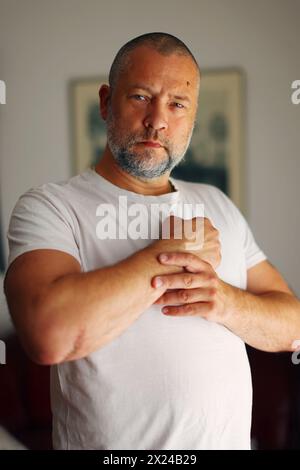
x: 104, y: 95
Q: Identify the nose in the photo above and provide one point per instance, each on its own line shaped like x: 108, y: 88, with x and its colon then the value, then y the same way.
x: 155, y: 118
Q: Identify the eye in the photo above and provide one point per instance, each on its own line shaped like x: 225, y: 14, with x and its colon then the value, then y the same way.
x: 139, y: 97
x: 178, y: 105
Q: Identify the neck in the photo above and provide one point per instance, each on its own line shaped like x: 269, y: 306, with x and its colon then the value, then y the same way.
x: 111, y: 171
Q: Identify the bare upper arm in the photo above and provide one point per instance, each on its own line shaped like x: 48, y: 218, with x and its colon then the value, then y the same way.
x: 263, y: 278
x: 27, y: 280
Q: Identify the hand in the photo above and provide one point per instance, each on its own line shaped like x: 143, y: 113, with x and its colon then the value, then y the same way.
x: 196, y: 235
x: 198, y: 291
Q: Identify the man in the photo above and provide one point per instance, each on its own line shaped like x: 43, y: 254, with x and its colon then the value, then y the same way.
x: 145, y: 336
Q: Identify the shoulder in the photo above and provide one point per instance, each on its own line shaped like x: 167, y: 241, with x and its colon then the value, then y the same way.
x: 42, y: 219
x: 52, y: 194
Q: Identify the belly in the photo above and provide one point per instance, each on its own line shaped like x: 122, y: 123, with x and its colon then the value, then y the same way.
x: 162, y: 381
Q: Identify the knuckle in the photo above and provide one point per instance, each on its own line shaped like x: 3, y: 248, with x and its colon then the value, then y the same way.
x: 214, y: 282
x: 183, y: 296
x: 211, y: 308
x: 211, y: 278
x: 188, y: 280
x: 190, y: 258
x: 208, y: 224
x: 212, y: 293
x: 188, y: 308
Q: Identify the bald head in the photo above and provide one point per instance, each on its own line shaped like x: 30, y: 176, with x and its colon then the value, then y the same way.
x: 165, y: 44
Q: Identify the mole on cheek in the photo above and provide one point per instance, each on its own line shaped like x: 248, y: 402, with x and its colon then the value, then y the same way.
x: 188, y: 83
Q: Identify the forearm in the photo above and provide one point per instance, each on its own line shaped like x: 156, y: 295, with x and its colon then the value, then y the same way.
x: 269, y: 321
x: 83, y: 312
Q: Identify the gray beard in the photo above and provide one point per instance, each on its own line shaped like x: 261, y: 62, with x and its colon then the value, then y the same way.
x: 142, y: 166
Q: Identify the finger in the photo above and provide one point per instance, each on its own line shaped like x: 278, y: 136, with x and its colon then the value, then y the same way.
x: 187, y: 260
x: 209, y: 229
x: 185, y: 280
x: 185, y: 296
x: 201, y: 309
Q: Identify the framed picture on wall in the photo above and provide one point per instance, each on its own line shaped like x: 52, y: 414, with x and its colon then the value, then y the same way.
x: 2, y: 261
x: 88, y: 128
x: 216, y: 152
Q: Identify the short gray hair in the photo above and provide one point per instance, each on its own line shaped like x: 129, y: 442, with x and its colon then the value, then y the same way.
x: 164, y: 43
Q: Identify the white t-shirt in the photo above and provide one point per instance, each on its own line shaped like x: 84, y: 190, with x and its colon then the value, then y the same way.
x: 164, y: 383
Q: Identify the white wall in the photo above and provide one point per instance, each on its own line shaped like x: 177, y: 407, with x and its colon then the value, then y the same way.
x: 45, y: 43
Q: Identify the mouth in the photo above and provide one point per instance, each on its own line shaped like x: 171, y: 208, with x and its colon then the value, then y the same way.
x: 151, y: 143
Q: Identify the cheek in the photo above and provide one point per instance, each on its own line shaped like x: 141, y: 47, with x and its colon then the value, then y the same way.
x: 132, y: 110
x: 131, y: 119
x: 180, y: 128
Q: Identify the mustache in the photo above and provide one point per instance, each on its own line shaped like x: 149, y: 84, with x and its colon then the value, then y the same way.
x: 150, y: 135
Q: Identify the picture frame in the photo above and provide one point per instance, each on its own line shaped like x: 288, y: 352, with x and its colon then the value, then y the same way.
x: 2, y: 263
x: 2, y: 258
x: 88, y: 130
x: 216, y: 151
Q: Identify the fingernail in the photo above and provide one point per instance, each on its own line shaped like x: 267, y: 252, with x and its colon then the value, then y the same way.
x: 163, y: 257
x: 165, y: 310
x: 158, y: 282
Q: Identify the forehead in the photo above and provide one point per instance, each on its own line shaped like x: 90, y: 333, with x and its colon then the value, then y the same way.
x: 147, y: 66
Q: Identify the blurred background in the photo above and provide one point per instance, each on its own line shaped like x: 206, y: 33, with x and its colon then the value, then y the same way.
x: 45, y: 46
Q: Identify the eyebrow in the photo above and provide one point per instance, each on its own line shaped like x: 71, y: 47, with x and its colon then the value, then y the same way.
x: 149, y: 90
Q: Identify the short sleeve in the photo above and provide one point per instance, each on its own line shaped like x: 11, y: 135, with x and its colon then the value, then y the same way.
x: 253, y: 253
x: 40, y: 220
